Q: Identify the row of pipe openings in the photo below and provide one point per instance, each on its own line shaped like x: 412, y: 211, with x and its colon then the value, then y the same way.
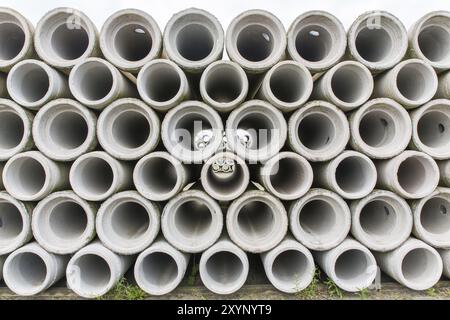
x: 256, y: 222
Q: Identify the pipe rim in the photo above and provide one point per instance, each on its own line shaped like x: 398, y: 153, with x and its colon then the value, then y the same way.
x: 228, y: 196
x: 51, y: 111
x: 394, y: 237
x: 74, y: 86
x: 441, y: 106
x: 305, y: 278
x: 46, y: 165
x: 390, y: 20
x: 305, y: 237
x: 398, y: 118
x: 211, y: 284
x: 27, y: 29
x: 175, y: 115
x: 191, y: 244
x: 271, y: 238
x: 319, y: 65
x: 177, y: 257
x: 182, y: 93
x: 16, y: 96
x: 25, y: 233
x: 329, y: 111
x: 145, y: 21
x: 112, y: 113
x: 438, y: 239
x: 44, y: 209
x: 223, y: 106
x: 307, y: 89
x: 46, y: 258
x: 414, y: 35
x: 89, y: 196
x: 262, y: 109
x: 9, y: 106
x: 188, y: 17
x: 272, y: 24
x: 306, y: 183
x: 113, y: 240
x: 64, y: 14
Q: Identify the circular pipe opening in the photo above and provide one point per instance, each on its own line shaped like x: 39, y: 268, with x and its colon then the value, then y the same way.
x: 255, y: 130
x: 94, y: 274
x: 25, y: 176
x: 224, y: 268
x: 415, y: 81
x: 223, y: 182
x: 352, y: 267
x: 289, y: 267
x: 193, y: 131
x: 435, y: 216
x: 158, y: 176
x: 193, y: 219
x: 373, y: 45
x: 433, y: 129
x: 69, y: 43
x: 26, y: 272
x: 11, y: 131
x: 68, y: 130
x: 415, y: 175
x: 289, y: 84
x: 194, y: 42
x: 159, y: 270
x: 316, y: 131
x: 224, y: 84
x: 255, y: 43
x: 127, y: 222
x: 377, y: 128
x: 130, y: 129
x: 255, y: 219
x: 67, y: 221
x: 92, y: 176
x: 12, y: 38
x: 313, y: 43
x: 133, y: 42
x: 350, y: 84
x: 92, y: 81
x: 318, y: 217
x: 419, y: 266
x: 434, y: 41
x: 289, y: 176
x: 355, y: 174
x: 29, y: 83
x: 11, y: 222
x: 160, y: 82
x: 378, y: 218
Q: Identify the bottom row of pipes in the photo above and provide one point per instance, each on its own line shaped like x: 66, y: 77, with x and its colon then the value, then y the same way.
x: 94, y: 270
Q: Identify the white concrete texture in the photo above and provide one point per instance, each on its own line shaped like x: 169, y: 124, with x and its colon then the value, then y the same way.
x: 203, y: 144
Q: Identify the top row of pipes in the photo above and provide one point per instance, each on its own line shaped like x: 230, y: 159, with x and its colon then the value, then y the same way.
x: 194, y: 38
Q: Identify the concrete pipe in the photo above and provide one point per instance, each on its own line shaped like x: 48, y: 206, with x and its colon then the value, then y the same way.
x: 96, y: 176
x: 431, y: 129
x: 128, y: 129
x: 16, y: 37
x: 130, y: 38
x: 256, y: 40
x: 287, y: 175
x: 287, y: 86
x: 378, y: 40
x: 15, y: 218
x: 127, y: 223
x: 15, y: 131
x: 225, y: 176
x: 31, y: 270
x: 351, y: 174
x: 318, y: 131
x: 63, y: 223
x: 192, y: 132
x: 193, y: 39
x: 411, y: 174
x: 317, y: 40
x: 414, y: 264
x: 289, y: 266
x: 431, y: 218
x: 443, y: 90
x: 94, y: 270
x: 347, y: 85
x: 159, y: 176
x: 64, y: 37
x: 96, y: 83
x: 381, y: 128
x: 320, y: 220
x: 30, y: 176
x: 411, y: 83
x: 351, y: 266
x: 444, y: 168
x: 162, y: 84
x: 223, y: 85
x: 429, y: 39
x: 256, y: 131
x: 64, y: 129
x: 224, y: 267
x: 445, y: 255
x: 160, y: 268
x: 381, y: 221
x: 256, y: 221
x: 192, y: 221
x: 32, y: 83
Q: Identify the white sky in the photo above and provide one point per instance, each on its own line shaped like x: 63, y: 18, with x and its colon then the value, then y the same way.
x: 287, y: 10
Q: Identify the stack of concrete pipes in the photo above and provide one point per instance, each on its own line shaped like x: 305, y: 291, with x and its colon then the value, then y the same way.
x: 136, y: 149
